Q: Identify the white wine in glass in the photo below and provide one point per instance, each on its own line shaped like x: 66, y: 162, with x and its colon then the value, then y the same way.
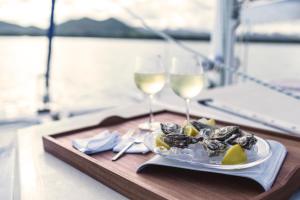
x: 149, y: 83
x: 186, y: 79
x: 149, y: 77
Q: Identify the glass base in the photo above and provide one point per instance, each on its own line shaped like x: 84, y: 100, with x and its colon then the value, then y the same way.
x: 149, y: 127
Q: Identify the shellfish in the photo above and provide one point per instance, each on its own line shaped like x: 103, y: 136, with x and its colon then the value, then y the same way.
x: 180, y: 140
x: 199, y: 125
x: 205, y: 130
x: 247, y: 141
x: 214, y: 140
x: 170, y: 128
x: 214, y: 147
x: 226, y: 133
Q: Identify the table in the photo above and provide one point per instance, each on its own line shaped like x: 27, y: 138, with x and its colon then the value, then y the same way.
x: 42, y: 176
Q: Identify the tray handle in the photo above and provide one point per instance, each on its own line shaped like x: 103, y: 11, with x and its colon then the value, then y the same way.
x: 112, y: 120
x: 287, y: 186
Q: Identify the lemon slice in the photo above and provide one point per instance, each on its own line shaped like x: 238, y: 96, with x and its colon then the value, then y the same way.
x: 160, y: 143
x: 234, y: 155
x: 211, y: 122
x: 189, y: 130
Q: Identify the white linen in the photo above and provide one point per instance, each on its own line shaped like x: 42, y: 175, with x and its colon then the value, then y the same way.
x: 135, y: 148
x: 103, y: 141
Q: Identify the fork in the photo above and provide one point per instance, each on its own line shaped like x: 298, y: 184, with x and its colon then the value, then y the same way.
x: 136, y: 140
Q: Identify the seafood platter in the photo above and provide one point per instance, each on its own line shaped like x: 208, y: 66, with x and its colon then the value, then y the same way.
x: 201, y: 142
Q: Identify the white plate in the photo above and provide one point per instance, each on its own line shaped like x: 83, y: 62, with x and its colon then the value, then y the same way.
x: 195, y: 154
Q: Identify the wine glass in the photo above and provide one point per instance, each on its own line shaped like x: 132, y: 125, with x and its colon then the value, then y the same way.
x: 186, y: 79
x: 149, y: 77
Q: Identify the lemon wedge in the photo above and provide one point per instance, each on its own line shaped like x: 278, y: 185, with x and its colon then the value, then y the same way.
x: 211, y: 122
x: 190, y: 130
x: 234, y: 155
x: 160, y: 143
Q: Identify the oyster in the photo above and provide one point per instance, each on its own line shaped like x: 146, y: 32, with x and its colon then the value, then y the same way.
x: 180, y: 140
x: 214, y: 147
x: 247, y: 141
x: 205, y: 130
x: 214, y: 140
x: 199, y: 125
x: 227, y: 133
x: 170, y: 128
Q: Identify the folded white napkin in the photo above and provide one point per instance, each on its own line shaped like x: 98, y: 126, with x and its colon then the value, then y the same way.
x: 135, y: 148
x: 101, y: 142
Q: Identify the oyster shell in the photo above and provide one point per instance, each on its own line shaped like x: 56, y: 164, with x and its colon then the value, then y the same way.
x: 214, y: 147
x: 180, y: 140
x: 170, y: 128
x: 214, y: 140
x: 227, y: 133
x: 247, y: 141
x: 205, y: 130
x: 199, y: 125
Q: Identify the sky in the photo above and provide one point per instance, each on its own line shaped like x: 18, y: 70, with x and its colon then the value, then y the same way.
x: 161, y: 14
x: 36, y: 12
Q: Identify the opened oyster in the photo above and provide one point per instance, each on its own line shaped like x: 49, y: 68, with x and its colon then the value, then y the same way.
x: 199, y: 125
x: 247, y: 141
x: 174, y: 137
x: 214, y: 140
x: 205, y: 130
x: 214, y: 147
x: 229, y: 135
x: 225, y: 133
x: 170, y: 128
x: 179, y: 140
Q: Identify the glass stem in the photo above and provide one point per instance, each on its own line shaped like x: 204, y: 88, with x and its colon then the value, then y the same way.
x: 151, y: 112
x: 187, y: 105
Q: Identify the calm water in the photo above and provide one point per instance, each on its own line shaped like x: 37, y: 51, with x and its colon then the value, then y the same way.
x: 90, y: 72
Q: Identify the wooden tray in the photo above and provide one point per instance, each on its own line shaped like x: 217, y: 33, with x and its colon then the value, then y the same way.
x: 171, y: 183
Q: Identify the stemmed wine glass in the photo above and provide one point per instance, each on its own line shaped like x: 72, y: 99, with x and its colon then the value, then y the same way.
x: 149, y: 77
x: 186, y: 79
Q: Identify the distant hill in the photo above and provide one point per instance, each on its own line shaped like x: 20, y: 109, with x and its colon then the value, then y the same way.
x: 86, y: 27
x: 89, y: 27
x: 12, y: 29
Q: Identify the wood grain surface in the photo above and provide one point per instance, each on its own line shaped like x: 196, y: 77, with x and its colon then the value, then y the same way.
x: 170, y: 183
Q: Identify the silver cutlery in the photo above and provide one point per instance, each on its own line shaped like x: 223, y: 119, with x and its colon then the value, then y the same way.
x: 137, y: 139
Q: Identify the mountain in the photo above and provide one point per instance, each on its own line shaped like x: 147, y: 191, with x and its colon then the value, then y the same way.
x: 86, y: 27
x: 89, y: 27
x: 12, y: 29
x: 115, y: 28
